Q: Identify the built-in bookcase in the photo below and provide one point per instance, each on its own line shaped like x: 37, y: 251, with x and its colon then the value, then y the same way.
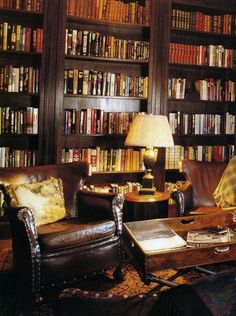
x: 99, y: 65
x: 21, y: 72
x: 105, y: 84
x: 201, y: 82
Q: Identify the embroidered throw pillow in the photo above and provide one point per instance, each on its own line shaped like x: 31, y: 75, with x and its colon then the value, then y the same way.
x: 225, y: 192
x: 45, y: 199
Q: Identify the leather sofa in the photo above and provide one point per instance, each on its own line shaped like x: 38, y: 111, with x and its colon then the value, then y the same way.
x: 88, y: 240
x: 195, y: 196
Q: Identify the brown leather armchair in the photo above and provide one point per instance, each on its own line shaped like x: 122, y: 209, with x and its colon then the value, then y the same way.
x: 196, y: 195
x: 87, y: 241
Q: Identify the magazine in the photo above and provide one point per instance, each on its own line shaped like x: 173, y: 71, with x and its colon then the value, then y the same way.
x: 208, y: 236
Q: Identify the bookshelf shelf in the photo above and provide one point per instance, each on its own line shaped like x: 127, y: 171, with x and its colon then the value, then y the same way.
x: 210, y: 107
x: 28, y: 142
x: 189, y: 140
x: 109, y: 24
x: 20, y: 94
x: 198, y: 34
x: 21, y: 13
x: 19, y: 53
x: 103, y: 97
x: 96, y: 135
x: 89, y: 141
x: 199, y: 67
x: 119, y: 172
x: 110, y: 60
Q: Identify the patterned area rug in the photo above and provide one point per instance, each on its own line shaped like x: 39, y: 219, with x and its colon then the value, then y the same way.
x: 100, y: 294
x: 6, y: 260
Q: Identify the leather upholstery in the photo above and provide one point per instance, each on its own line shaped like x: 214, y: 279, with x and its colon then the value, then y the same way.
x: 196, y: 195
x: 87, y: 241
x: 72, y: 175
x: 74, y: 232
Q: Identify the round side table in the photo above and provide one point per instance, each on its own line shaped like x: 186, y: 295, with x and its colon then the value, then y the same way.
x: 140, y: 207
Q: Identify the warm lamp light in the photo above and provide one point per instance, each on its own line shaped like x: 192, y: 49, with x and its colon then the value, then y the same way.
x: 149, y: 131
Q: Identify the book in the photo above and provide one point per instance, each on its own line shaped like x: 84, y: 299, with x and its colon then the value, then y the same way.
x: 158, y: 240
x: 208, y: 236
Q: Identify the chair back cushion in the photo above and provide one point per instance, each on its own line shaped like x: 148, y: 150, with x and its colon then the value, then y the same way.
x: 204, y: 177
x: 71, y: 174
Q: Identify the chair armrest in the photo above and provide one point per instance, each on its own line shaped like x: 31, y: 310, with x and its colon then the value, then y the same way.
x: 183, y: 198
x: 98, y: 205
x: 24, y: 242
x: 22, y: 220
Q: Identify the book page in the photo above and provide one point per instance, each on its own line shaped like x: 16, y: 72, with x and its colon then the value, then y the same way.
x: 161, y: 241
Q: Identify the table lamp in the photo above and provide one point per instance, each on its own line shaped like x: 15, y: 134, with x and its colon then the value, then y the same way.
x: 149, y: 131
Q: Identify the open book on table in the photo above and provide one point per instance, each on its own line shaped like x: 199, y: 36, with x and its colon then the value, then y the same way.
x: 160, y: 240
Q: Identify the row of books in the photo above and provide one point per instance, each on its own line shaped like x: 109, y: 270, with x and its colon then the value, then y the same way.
x: 176, y: 88
x: 198, y: 152
x: 111, y: 10
x: 209, y: 89
x: 20, y: 38
x: 97, y: 83
x: 19, y: 79
x: 202, y: 55
x: 216, y: 90
x: 22, y: 121
x: 88, y: 43
x: 26, y: 5
x: 97, y: 121
x: 114, y: 187
x: 201, y: 22
x: 10, y: 157
x: 112, y: 159
x: 201, y: 124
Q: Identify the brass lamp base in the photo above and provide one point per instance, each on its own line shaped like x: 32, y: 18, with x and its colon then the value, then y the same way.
x: 147, y: 184
x: 147, y: 191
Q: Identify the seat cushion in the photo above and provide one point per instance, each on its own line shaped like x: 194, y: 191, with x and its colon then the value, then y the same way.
x: 70, y: 233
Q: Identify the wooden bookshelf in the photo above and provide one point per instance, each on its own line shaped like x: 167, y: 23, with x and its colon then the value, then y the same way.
x: 201, y: 42
x: 158, y: 30
x: 22, y: 61
x: 123, y: 49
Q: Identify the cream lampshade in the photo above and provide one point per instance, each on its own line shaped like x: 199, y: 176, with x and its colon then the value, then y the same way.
x: 149, y: 131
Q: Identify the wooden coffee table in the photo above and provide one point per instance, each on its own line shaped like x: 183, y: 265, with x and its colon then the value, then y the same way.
x: 180, y: 259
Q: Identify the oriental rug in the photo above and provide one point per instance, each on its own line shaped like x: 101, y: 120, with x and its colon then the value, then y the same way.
x: 96, y: 295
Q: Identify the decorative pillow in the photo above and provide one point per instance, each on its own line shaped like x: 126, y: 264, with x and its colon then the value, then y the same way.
x: 45, y: 199
x: 225, y: 192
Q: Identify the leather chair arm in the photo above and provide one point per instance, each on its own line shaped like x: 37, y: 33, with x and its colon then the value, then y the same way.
x: 25, y: 236
x: 22, y: 218
x: 183, y: 198
x: 98, y: 205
